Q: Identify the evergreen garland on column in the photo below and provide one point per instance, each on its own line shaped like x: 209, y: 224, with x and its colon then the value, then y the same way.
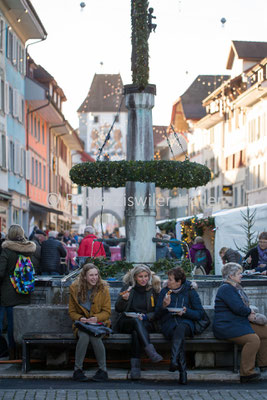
x: 140, y: 34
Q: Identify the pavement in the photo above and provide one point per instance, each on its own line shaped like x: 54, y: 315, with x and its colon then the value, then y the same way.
x: 156, y: 384
x: 63, y: 394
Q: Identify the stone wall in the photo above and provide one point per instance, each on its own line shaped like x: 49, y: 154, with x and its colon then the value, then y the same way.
x: 48, y: 311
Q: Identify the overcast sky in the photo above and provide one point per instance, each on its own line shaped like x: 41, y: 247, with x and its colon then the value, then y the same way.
x: 189, y: 41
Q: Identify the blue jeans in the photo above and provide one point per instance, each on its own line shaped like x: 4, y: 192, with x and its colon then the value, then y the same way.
x: 9, y: 314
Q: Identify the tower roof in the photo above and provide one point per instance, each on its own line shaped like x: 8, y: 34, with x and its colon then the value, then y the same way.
x: 105, y: 94
x: 250, y: 51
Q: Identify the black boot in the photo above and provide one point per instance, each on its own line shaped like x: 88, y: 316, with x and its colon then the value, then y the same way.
x: 144, y: 338
x: 182, y: 366
x: 176, y: 345
x: 135, y: 368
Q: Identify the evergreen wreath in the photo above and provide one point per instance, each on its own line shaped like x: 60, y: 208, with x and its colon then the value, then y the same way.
x: 165, y: 174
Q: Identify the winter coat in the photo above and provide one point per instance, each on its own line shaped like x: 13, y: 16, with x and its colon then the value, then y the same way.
x: 51, y: 252
x: 89, y: 248
x: 1, y: 242
x: 152, y: 293
x: 231, y: 314
x: 186, y: 297
x: 162, y: 251
x: 8, y: 259
x: 36, y: 257
x: 100, y: 308
x: 200, y: 246
x: 232, y: 256
x: 176, y: 248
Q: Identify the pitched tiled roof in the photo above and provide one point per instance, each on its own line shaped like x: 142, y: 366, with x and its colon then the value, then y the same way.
x: 247, y: 51
x: 104, y: 95
x: 192, y: 98
x: 250, y: 50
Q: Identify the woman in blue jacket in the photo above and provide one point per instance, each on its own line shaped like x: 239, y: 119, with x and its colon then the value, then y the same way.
x: 233, y: 320
x: 176, y: 325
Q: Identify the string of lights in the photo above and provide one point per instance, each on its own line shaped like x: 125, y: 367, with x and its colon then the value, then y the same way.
x: 110, y: 129
x: 179, y: 143
x: 169, y: 144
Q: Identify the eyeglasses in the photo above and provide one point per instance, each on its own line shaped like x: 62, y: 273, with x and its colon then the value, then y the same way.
x: 263, y: 241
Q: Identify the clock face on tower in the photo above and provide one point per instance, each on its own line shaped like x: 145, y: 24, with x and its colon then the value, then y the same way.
x: 113, y: 147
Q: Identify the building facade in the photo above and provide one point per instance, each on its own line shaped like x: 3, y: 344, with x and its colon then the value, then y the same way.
x: 103, y: 108
x: 51, y: 140
x: 19, y: 23
x: 234, y: 132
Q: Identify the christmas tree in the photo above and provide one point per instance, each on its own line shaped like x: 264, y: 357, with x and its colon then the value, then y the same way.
x: 251, y: 236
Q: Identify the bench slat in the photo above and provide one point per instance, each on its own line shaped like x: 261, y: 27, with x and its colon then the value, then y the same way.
x: 115, y: 338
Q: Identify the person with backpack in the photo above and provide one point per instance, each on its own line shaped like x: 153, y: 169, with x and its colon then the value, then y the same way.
x: 200, y: 255
x: 14, y: 288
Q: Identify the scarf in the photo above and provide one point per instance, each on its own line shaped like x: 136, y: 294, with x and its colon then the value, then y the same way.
x: 179, y: 289
x: 240, y: 291
x: 262, y: 256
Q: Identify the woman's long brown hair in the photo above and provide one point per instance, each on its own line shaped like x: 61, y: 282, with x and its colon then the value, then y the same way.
x: 83, y: 284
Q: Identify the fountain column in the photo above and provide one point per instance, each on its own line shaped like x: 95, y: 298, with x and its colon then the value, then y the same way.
x: 140, y: 201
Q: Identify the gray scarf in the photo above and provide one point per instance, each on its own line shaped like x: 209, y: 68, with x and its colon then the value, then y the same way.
x: 240, y: 290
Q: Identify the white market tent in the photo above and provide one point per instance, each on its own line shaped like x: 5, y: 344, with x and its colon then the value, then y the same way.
x: 228, y: 228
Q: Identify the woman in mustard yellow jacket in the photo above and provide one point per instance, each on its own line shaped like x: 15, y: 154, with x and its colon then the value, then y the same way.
x: 89, y: 302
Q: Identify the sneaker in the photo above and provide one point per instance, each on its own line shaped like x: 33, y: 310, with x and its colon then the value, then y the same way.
x: 100, y: 376
x: 78, y: 375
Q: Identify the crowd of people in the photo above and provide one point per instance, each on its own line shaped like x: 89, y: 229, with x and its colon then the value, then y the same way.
x: 144, y: 304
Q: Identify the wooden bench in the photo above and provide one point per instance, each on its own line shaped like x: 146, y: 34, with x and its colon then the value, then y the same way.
x: 28, y: 339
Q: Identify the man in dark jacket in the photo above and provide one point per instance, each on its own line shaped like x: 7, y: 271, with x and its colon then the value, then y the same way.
x: 51, y: 252
x: 38, y: 238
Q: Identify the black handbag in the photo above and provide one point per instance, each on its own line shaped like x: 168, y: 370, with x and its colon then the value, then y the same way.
x: 96, y: 330
x: 202, y: 324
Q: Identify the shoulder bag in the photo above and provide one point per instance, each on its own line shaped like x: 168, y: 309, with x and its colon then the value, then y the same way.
x: 96, y: 330
x: 203, y: 323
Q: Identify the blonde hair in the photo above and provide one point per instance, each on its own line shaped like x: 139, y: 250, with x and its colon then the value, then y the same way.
x: 153, y: 281
x: 83, y: 284
x: 16, y: 233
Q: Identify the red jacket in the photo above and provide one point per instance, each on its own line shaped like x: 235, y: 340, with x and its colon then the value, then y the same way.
x: 89, y: 249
